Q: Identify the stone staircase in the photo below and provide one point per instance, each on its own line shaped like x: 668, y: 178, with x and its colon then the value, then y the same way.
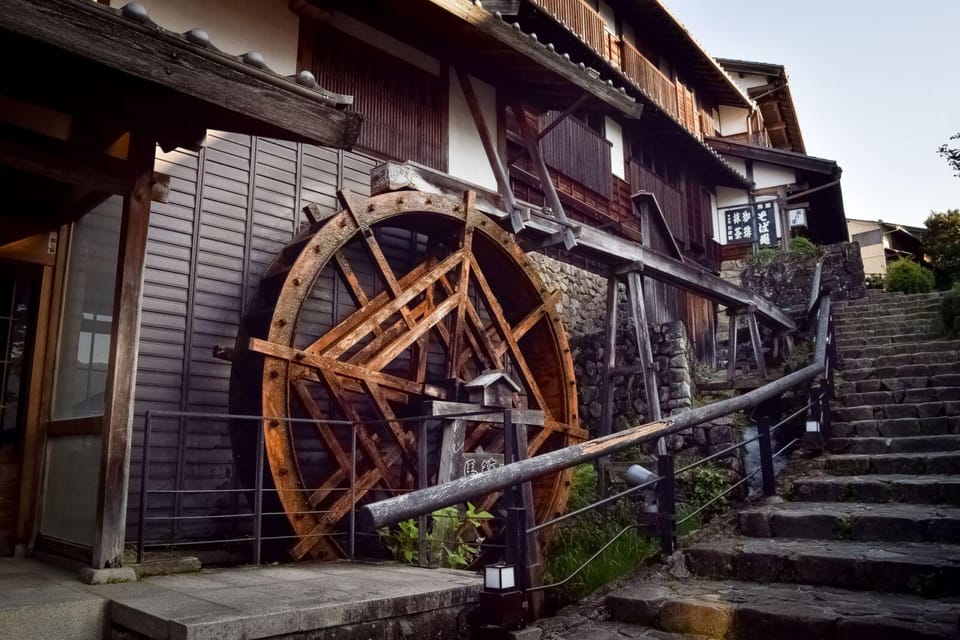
x: 867, y: 545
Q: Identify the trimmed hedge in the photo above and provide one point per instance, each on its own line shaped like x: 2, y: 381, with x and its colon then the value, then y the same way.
x: 907, y: 276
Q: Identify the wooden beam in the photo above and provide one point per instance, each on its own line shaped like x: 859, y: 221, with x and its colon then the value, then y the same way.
x: 757, y: 344
x: 143, y: 51
x: 733, y: 319
x: 642, y: 332
x: 490, y: 149
x: 609, y: 355
x: 110, y: 528
x: 596, y: 243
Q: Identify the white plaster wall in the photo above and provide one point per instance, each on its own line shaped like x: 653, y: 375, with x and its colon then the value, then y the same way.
x: 733, y: 120
x: 748, y: 80
x: 717, y: 231
x: 770, y: 175
x: 737, y: 163
x: 609, y: 17
x: 466, y: 159
x: 235, y: 26
x: 729, y: 197
x: 613, y: 132
x: 860, y: 226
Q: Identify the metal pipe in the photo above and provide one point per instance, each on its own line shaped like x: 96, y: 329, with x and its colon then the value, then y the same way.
x: 258, y: 500
x: 144, y: 479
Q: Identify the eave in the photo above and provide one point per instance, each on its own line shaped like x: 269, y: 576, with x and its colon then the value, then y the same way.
x: 241, y: 94
x: 773, y: 99
x: 780, y: 157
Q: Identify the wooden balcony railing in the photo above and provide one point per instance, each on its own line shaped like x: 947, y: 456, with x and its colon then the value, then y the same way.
x: 579, y: 152
x: 646, y: 76
x: 756, y: 138
x: 580, y: 18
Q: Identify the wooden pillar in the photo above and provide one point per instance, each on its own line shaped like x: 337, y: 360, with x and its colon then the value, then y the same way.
x: 609, y: 357
x: 734, y: 319
x: 644, y: 351
x: 756, y: 342
x: 121, y: 374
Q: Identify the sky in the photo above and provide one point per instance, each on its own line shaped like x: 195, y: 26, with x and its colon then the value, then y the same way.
x: 876, y: 84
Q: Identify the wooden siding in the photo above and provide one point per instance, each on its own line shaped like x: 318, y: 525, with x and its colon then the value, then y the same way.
x: 666, y: 304
x: 232, y: 207
x: 578, y: 152
x: 404, y: 108
x: 671, y: 200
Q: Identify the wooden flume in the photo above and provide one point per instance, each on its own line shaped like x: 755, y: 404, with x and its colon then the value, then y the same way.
x: 460, y: 299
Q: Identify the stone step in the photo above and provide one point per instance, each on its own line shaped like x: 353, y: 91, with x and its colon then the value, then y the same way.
x: 921, y: 568
x: 868, y: 337
x: 853, y: 521
x: 891, y: 300
x: 911, y: 410
x: 750, y: 611
x: 900, y: 354
x: 900, y: 396
x: 896, y: 427
x: 850, y: 373
x: 586, y: 629
x: 886, y: 328
x: 906, y: 444
x: 881, y: 306
x: 852, y: 322
x: 942, y: 463
x: 894, y: 384
x: 883, y: 311
x: 927, y: 489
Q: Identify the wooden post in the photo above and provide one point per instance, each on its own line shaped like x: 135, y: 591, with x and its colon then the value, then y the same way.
x: 644, y: 351
x: 516, y: 448
x: 757, y: 343
x: 490, y: 149
x: 121, y: 374
x: 734, y: 316
x: 609, y: 364
x: 769, y: 481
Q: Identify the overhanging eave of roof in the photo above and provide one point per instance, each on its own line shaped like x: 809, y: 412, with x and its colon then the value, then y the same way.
x: 243, y: 89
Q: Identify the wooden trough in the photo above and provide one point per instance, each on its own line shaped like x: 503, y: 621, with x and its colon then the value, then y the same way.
x: 367, y: 315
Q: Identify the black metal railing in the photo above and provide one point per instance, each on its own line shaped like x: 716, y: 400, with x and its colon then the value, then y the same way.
x: 814, y: 381
x: 232, y: 513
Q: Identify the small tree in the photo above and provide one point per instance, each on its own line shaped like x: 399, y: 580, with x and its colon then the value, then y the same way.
x: 951, y: 155
x: 907, y: 276
x: 942, y: 243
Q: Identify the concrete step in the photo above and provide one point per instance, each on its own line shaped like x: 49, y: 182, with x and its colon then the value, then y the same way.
x: 942, y: 408
x: 921, y: 568
x: 749, y: 611
x: 900, y: 396
x: 906, y: 444
x: 853, y: 521
x: 942, y: 463
x: 926, y: 489
x: 859, y: 374
x: 844, y: 389
x: 586, y: 629
x: 897, y: 355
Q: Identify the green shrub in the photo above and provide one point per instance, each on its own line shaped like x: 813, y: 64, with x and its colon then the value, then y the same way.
x: 803, y: 247
x: 907, y: 276
x: 707, y: 482
x: 452, y: 542
x: 950, y: 311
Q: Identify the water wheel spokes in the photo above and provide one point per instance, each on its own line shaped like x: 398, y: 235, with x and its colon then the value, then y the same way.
x: 460, y: 300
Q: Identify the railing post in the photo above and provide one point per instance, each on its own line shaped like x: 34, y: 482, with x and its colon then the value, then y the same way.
x: 826, y: 420
x: 769, y: 480
x: 666, y: 503
x: 516, y: 542
x: 144, y: 480
x: 258, y: 498
x: 422, y: 481
x: 353, y: 492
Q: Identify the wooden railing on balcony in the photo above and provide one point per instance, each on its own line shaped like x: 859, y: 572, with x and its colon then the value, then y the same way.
x: 580, y: 18
x: 579, y: 152
x: 756, y: 138
x: 646, y: 76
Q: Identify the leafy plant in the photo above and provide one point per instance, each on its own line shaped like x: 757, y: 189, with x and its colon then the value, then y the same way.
x: 452, y: 541
x: 802, y: 247
x: 705, y: 483
x: 950, y: 311
x: 942, y: 243
x: 801, y: 356
x: 908, y: 277
x: 763, y: 257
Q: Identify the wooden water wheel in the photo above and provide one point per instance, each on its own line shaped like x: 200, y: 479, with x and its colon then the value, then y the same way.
x: 372, y: 311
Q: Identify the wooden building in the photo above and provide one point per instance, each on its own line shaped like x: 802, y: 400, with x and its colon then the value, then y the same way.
x: 597, y: 115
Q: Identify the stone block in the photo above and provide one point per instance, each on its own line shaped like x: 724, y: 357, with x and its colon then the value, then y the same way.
x: 117, y: 575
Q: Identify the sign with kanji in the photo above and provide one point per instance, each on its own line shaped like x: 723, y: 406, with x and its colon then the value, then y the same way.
x: 474, y: 463
x: 740, y: 223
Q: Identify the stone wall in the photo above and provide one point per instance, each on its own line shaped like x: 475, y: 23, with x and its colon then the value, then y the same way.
x: 584, y: 294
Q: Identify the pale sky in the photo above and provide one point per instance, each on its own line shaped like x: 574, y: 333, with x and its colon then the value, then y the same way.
x: 876, y: 84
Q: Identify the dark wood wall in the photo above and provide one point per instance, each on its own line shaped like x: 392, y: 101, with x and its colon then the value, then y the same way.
x: 232, y: 208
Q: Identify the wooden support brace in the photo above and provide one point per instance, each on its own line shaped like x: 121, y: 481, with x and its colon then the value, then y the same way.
x: 609, y: 357
x: 756, y: 343
x: 644, y: 350
x: 734, y: 316
x: 490, y: 149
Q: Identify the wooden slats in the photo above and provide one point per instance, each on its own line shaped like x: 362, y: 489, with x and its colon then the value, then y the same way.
x: 645, y: 75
